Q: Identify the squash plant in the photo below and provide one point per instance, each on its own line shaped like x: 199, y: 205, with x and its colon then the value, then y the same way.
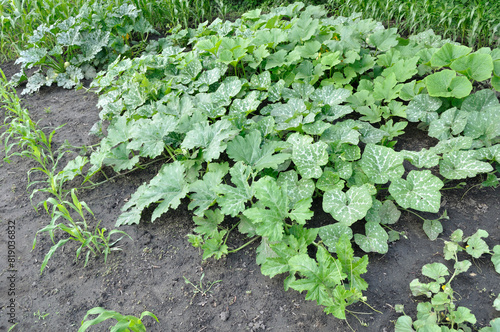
x: 83, y: 44
x: 260, y: 116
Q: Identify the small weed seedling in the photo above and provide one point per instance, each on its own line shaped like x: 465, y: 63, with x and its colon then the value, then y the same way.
x: 200, y: 289
x: 40, y: 315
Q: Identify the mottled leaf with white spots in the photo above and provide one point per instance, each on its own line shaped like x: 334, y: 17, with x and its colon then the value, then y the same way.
x: 347, y: 207
x: 381, y: 164
x: 308, y: 156
x: 375, y: 239
x: 420, y: 191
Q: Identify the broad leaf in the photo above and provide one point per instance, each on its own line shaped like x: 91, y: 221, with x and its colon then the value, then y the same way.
x: 347, y: 207
x: 331, y: 234
x: 204, y: 192
x: 296, y: 189
x: 212, y: 138
x: 476, y: 246
x: 375, y: 239
x: 147, y: 134
x: 480, y: 101
x: 308, y: 156
x: 168, y: 186
x: 381, y: 164
x: 432, y: 228
x: 420, y: 191
x: 446, y: 84
x: 208, y: 225
x: 421, y: 159
x: 449, y: 52
x: 404, y: 324
x: 423, y: 108
x: 484, y: 125
x: 495, y: 258
x: 435, y: 271
x: 462, y: 164
x: 384, y: 39
x: 271, y: 210
x: 451, y: 122
x: 251, y: 151
x: 386, y: 213
x: 232, y: 199
x: 119, y: 158
x: 477, y: 67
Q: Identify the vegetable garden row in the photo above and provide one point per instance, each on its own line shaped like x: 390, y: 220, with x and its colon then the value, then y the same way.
x: 255, y: 119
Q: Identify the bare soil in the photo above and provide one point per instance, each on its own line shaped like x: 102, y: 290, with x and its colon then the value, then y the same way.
x: 150, y: 271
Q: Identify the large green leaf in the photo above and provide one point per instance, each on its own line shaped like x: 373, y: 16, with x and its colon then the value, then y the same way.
x: 384, y: 39
x: 476, y: 246
x: 462, y: 164
x: 375, y: 239
x: 204, y: 192
x: 261, y: 81
x: 303, y: 29
x: 480, y: 101
x: 446, y: 84
x: 381, y: 164
x: 169, y: 186
x: 477, y: 67
x: 331, y: 234
x: 451, y: 122
x: 420, y: 191
x: 119, y: 158
x: 348, y: 207
x: 423, y: 108
x: 208, y: 225
x: 386, y: 88
x: 484, y: 125
x: 296, y: 189
x: 495, y: 258
x: 404, y: 324
x: 423, y: 158
x: 147, y: 134
x: 308, y: 156
x: 435, y: 271
x: 271, y: 210
x: 328, y: 95
x: 320, y: 276
x: 386, y: 213
x: 212, y: 138
x: 232, y: 199
x: 289, y: 115
x: 251, y: 151
x: 449, y: 52
x: 432, y: 228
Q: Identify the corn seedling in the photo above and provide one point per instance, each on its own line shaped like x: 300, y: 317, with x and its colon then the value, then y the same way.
x: 33, y: 143
x: 124, y: 323
x: 96, y: 242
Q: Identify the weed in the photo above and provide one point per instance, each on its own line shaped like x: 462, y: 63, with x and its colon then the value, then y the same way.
x: 40, y: 315
x: 199, y: 288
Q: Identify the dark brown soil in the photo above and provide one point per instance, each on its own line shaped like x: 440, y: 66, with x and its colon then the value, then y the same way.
x: 149, y: 273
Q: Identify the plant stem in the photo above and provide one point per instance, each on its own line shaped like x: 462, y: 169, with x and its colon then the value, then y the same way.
x: 243, y: 246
